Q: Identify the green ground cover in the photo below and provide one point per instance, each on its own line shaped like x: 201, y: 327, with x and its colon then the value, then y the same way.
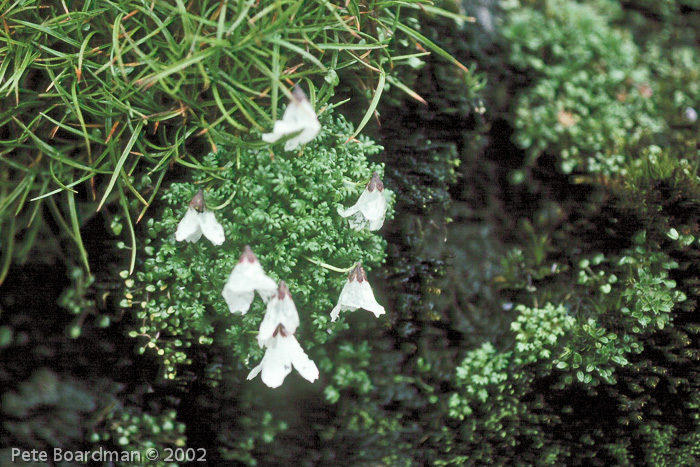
x: 538, y: 264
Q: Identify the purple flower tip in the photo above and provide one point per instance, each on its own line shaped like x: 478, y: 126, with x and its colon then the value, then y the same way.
x: 375, y: 182
x: 283, y: 291
x: 198, y: 201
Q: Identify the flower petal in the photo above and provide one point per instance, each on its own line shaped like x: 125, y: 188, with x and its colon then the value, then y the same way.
x: 293, y: 143
x: 268, y: 326
x: 301, y: 362
x: 300, y: 113
x: 281, y: 129
x: 288, y: 315
x: 238, y: 302
x: 281, y: 311
x: 247, y: 276
x: 211, y: 228
x: 358, y: 221
x: 357, y: 294
x: 373, y: 206
x: 370, y: 210
x: 377, y: 223
x: 255, y: 371
x: 299, y: 117
x: 189, y: 229
x: 335, y: 312
x: 349, y: 211
x: 283, y: 353
x: 276, y: 364
x: 360, y: 295
x: 376, y: 206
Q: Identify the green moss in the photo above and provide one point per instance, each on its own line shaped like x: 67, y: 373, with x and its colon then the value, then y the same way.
x: 590, y: 97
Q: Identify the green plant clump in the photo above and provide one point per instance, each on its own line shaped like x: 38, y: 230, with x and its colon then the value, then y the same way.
x: 283, y: 206
x: 95, y: 94
x: 516, y: 404
x: 591, y: 98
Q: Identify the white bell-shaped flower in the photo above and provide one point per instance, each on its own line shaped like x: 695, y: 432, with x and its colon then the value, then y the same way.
x: 284, y: 352
x: 198, y: 221
x: 281, y: 311
x: 246, y: 278
x: 370, y: 208
x: 357, y: 293
x: 299, y: 117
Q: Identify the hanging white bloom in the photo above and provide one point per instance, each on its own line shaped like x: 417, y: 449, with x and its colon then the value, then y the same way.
x: 198, y: 221
x: 284, y: 352
x: 370, y: 208
x: 299, y: 117
x: 281, y: 311
x: 246, y: 278
x: 282, y: 349
x: 357, y: 293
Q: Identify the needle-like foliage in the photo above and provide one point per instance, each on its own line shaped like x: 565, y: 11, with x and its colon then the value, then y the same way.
x: 95, y: 94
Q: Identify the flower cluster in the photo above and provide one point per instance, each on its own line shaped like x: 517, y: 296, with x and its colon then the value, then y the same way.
x: 281, y: 320
x: 282, y: 349
x: 276, y: 335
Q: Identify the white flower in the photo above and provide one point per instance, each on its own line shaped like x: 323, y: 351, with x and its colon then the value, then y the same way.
x: 370, y: 208
x: 283, y: 352
x: 299, y: 117
x: 357, y: 293
x: 246, y: 278
x: 198, y: 221
x: 281, y: 311
x: 277, y: 335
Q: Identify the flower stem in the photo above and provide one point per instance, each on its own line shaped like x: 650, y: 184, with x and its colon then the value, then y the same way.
x: 225, y: 203
x: 328, y: 266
